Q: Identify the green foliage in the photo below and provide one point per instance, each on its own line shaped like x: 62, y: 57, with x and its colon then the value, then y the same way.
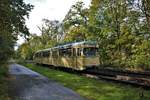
x: 51, y: 34
x: 12, y: 23
x: 141, y: 55
x: 6, y: 46
x: 4, y: 89
x: 75, y: 23
x: 121, y: 31
x: 3, y: 70
x: 3, y: 82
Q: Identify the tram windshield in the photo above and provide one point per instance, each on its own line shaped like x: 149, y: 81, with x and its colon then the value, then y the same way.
x: 90, y: 51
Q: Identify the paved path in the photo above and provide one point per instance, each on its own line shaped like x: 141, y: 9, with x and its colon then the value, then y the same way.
x: 29, y: 85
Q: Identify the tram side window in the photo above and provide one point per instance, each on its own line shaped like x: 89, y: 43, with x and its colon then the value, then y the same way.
x: 46, y: 54
x: 62, y: 52
x: 79, y: 50
x: 36, y: 54
x: 65, y: 52
x: 40, y: 54
x: 68, y: 52
x: 54, y: 53
x: 74, y: 51
x: 50, y: 53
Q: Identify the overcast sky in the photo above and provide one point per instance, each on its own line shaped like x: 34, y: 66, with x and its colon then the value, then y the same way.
x: 50, y: 9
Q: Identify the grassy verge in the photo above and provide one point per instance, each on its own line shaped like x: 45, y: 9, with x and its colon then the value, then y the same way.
x: 91, y: 88
x: 3, y: 83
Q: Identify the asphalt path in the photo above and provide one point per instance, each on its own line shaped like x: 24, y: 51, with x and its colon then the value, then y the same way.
x: 26, y: 84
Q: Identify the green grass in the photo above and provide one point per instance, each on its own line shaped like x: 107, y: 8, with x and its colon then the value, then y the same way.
x: 92, y: 89
x: 3, y: 83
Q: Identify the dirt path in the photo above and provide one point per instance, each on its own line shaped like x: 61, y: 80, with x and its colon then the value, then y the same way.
x: 29, y: 85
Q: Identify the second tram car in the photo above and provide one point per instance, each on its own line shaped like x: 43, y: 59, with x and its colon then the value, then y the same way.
x: 78, y: 55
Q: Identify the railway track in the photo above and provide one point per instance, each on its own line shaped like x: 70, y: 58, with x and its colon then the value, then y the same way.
x: 138, y: 79
x: 114, y: 72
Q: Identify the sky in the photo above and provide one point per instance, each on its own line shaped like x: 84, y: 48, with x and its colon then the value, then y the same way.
x: 49, y: 9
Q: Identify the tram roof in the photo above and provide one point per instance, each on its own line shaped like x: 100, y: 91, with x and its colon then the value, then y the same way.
x: 70, y: 45
x: 77, y: 44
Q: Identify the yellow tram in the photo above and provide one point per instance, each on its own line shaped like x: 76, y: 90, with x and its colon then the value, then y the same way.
x: 78, y: 55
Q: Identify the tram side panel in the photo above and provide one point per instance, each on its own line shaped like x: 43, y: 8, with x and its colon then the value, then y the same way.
x: 66, y: 58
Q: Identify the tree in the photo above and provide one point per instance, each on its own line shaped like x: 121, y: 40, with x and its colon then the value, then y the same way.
x: 12, y: 23
x: 51, y: 32
x: 119, y: 27
x: 144, y: 5
x: 75, y: 23
x: 51, y: 35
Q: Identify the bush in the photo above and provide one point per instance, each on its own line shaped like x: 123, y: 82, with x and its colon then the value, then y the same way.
x: 142, y: 61
x: 3, y: 82
x: 3, y: 71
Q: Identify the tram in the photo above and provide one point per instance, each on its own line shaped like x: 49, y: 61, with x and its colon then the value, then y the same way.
x: 77, y: 56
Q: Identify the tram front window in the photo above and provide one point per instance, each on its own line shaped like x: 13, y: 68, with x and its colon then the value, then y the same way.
x: 90, y: 51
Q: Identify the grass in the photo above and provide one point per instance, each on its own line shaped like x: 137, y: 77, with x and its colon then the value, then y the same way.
x: 92, y: 89
x: 3, y: 83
